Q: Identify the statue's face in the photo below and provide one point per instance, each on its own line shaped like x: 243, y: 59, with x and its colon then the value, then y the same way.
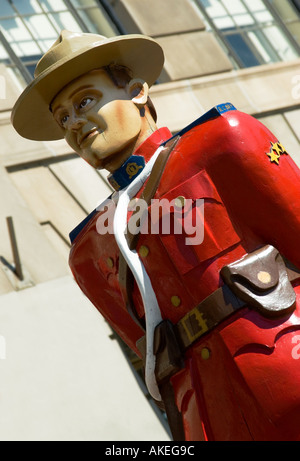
x: 100, y: 121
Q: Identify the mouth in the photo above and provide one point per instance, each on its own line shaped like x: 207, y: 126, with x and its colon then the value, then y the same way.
x: 88, y: 136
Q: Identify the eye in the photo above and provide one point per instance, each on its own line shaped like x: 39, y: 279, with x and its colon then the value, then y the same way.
x: 64, y: 120
x: 85, y: 102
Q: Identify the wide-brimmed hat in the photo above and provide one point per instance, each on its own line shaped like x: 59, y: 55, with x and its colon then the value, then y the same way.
x: 71, y: 56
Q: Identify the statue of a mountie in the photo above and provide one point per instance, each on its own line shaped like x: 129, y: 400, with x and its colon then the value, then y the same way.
x: 216, y: 318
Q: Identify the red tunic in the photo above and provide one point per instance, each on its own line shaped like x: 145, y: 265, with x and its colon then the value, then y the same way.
x: 247, y: 384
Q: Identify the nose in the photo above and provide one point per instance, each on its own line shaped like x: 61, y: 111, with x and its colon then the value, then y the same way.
x: 76, y: 121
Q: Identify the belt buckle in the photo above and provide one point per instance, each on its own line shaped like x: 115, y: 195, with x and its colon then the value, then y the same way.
x: 194, y: 325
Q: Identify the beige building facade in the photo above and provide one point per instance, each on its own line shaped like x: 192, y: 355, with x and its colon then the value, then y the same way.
x: 63, y: 374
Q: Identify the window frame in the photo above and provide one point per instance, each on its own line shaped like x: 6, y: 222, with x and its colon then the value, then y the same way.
x: 20, y: 63
x: 242, y: 31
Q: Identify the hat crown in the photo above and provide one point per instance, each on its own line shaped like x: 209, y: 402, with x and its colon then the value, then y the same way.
x: 67, y: 44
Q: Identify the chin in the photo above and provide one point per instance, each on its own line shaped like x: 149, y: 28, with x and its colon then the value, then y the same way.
x: 97, y: 164
x: 110, y: 159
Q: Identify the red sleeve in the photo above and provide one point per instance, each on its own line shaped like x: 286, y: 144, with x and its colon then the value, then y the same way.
x: 257, y: 180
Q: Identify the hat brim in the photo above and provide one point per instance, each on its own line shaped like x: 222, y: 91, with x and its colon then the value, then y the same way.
x: 31, y: 116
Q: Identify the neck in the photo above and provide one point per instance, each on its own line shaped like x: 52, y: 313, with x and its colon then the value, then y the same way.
x: 117, y: 160
x: 114, y: 162
x: 135, y: 163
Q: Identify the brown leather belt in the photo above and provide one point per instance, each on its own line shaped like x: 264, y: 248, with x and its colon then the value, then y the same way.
x: 208, y: 314
x: 260, y: 280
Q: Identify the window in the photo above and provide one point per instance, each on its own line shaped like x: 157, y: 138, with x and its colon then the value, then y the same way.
x: 296, y: 3
x: 289, y: 12
x: 28, y: 28
x: 255, y: 31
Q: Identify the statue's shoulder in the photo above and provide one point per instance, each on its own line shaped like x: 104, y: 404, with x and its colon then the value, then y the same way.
x: 216, y: 111
x: 75, y: 232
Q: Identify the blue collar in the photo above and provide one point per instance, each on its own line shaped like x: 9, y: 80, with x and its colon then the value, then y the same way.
x: 121, y: 178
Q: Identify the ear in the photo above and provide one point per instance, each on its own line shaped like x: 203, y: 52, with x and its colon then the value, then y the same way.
x: 139, y: 91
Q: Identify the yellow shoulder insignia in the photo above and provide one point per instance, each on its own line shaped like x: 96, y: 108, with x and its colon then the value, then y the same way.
x: 132, y: 169
x: 276, y: 151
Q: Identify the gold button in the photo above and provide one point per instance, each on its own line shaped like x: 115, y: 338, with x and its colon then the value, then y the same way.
x: 143, y: 251
x: 205, y: 353
x: 264, y: 277
x: 176, y: 301
x: 180, y: 201
x: 110, y: 263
